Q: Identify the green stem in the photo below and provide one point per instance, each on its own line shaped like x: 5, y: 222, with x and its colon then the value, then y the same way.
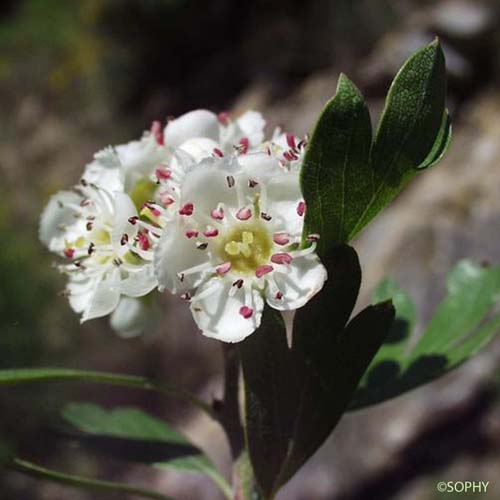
x: 31, y: 469
x: 245, y: 484
x: 31, y: 375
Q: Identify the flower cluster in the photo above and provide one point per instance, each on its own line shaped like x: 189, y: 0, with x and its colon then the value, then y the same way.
x: 204, y: 207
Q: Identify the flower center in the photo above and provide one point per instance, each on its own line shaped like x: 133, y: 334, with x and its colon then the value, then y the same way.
x: 246, y: 247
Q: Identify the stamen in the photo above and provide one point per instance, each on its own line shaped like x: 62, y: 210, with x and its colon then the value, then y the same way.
x: 246, y: 312
x: 217, y: 213
x: 301, y: 208
x: 262, y: 270
x: 218, y: 152
x: 89, y: 226
x: 201, y: 246
x: 252, y: 183
x: 281, y: 258
x: 313, y: 237
x: 157, y: 132
x: 186, y: 296
x: 223, y: 268
x: 230, y: 181
x: 91, y: 249
x: 124, y: 239
x: 69, y: 253
x: 211, y: 233
x: 163, y: 173
x: 244, y: 214
x: 238, y: 283
x: 290, y: 140
x: 187, y: 209
x: 223, y: 117
x: 191, y: 233
x: 243, y: 145
x: 278, y: 295
x: 281, y: 238
x: 166, y: 199
x: 133, y: 220
x: 143, y: 241
x: 265, y: 216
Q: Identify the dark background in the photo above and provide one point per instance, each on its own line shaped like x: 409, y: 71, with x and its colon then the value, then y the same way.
x: 76, y: 76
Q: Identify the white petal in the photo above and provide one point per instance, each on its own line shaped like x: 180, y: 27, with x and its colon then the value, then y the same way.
x: 206, y: 184
x: 124, y: 209
x: 106, y: 295
x: 139, y: 282
x: 81, y: 290
x: 140, y: 158
x: 199, y: 147
x: 303, y: 278
x: 218, y: 314
x: 175, y: 253
x: 252, y: 124
x: 106, y: 170
x: 58, y: 222
x: 260, y: 166
x: 283, y: 197
x: 198, y: 123
x: 133, y: 317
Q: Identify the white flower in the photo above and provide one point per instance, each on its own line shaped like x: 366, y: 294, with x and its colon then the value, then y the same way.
x: 107, y: 246
x: 201, y: 132
x: 235, y: 242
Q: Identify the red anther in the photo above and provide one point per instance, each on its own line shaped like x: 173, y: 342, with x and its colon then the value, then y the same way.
x: 187, y: 209
x: 217, y: 213
x: 290, y: 140
x: 69, y: 253
x: 243, y: 145
x: 133, y: 220
x: 278, y: 295
x: 166, y: 199
x: 290, y: 155
x: 262, y: 270
x: 281, y: 238
x: 223, y: 268
x: 313, y: 237
x: 124, y: 239
x: 157, y: 132
x: 143, y: 241
x: 218, y: 152
x: 223, y: 117
x: 281, y: 258
x: 191, y: 233
x: 163, y: 173
x: 301, y: 208
x: 243, y: 214
x: 186, y: 296
x: 211, y: 233
x: 246, y: 312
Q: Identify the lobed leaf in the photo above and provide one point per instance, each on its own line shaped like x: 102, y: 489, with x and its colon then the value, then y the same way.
x: 130, y: 433
x: 346, y: 179
x: 463, y: 323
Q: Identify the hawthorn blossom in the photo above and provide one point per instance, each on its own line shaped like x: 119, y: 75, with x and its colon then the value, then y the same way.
x: 107, y: 244
x: 235, y: 243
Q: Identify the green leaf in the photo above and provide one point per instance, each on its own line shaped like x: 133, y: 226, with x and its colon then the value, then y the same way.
x: 134, y: 426
x: 336, y: 176
x: 270, y: 397
x: 34, y: 375
x: 410, y: 130
x: 333, y: 372
x: 463, y: 323
x: 85, y: 483
x: 346, y: 179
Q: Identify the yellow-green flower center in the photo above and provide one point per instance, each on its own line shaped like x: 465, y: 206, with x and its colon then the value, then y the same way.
x: 246, y: 246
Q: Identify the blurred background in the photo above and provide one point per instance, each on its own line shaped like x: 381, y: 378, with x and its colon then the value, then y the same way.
x: 78, y: 76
